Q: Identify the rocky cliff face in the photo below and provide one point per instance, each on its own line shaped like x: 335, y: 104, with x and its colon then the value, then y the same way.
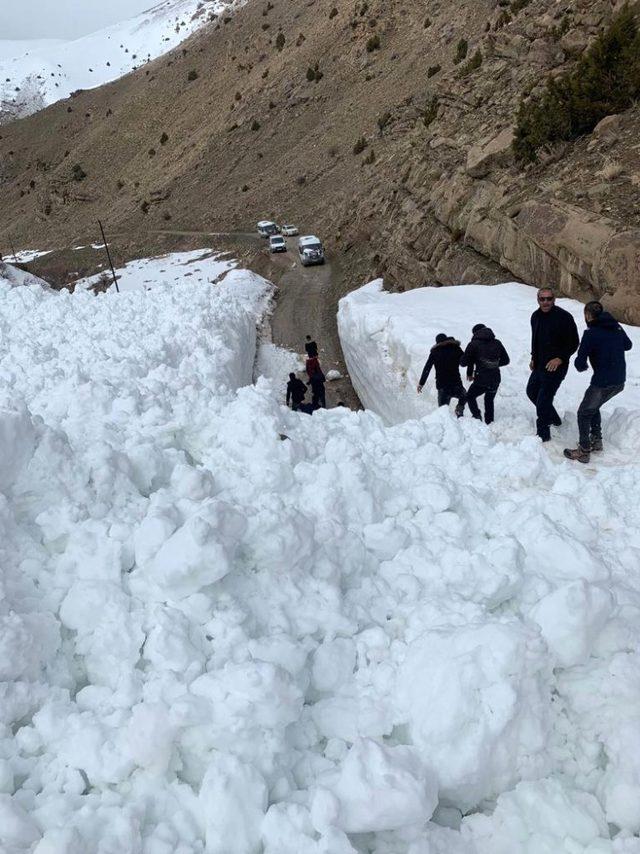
x: 386, y: 126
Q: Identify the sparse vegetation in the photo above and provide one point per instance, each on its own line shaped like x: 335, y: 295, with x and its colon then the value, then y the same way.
x: 152, y: 152
x: 433, y: 69
x: 462, y: 48
x: 370, y: 158
x: 605, y: 80
x: 144, y: 207
x: 427, y: 23
x: 78, y: 173
x: 562, y: 29
x: 471, y: 64
x: 333, y: 13
x: 192, y: 75
x: 517, y: 5
x: 373, y: 43
x: 360, y: 145
x: 502, y: 20
x: 430, y: 111
x: 383, y: 121
x: 314, y: 73
x: 255, y: 125
x: 164, y: 139
x: 280, y: 41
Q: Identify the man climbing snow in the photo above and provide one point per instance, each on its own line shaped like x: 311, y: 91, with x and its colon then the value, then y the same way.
x: 296, y: 391
x: 311, y: 348
x: 445, y: 357
x: 483, y: 358
x: 603, y: 344
x: 554, y: 339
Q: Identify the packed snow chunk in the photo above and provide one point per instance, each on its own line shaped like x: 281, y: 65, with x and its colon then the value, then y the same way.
x: 150, y: 737
x: 333, y: 664
x: 379, y: 788
x: 17, y: 440
x: 476, y: 702
x: 200, y: 552
x: 571, y: 618
x: 28, y: 643
x: 233, y: 799
x: 17, y: 831
x: 333, y: 375
x: 543, y: 817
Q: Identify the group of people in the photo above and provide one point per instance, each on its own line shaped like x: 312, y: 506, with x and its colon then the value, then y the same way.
x: 554, y: 340
x: 297, y: 388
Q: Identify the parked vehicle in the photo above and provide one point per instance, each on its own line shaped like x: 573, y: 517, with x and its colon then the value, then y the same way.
x: 310, y: 250
x: 290, y: 230
x: 266, y: 228
x: 277, y: 243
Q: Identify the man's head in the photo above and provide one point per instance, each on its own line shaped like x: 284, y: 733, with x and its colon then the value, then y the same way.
x: 593, y: 310
x: 440, y: 337
x: 308, y: 338
x: 477, y: 328
x: 292, y: 376
x: 546, y: 299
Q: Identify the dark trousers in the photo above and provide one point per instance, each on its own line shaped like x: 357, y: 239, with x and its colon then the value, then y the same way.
x: 476, y: 390
x: 318, y: 396
x: 541, y: 389
x: 589, y: 420
x: 446, y: 393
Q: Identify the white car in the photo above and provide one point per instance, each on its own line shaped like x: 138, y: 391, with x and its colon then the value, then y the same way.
x: 277, y: 243
x: 310, y: 250
x: 290, y: 230
x: 266, y: 228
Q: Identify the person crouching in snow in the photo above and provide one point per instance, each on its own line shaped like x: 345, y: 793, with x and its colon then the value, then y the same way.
x: 445, y: 357
x: 296, y: 391
x: 483, y: 358
x: 603, y: 344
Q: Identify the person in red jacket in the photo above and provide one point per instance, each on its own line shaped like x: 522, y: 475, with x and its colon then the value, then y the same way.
x: 312, y: 365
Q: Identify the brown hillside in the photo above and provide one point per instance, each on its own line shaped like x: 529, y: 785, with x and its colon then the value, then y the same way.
x: 433, y: 196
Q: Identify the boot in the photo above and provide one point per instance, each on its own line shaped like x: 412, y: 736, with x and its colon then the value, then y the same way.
x: 596, y: 443
x: 459, y: 411
x: 579, y: 454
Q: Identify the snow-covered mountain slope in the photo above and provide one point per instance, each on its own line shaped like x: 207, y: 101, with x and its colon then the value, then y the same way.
x: 41, y: 75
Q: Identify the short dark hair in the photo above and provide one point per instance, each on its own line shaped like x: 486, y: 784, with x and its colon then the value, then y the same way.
x: 594, y: 308
x: 477, y: 328
x: 440, y: 337
x: 292, y: 376
x: 546, y: 290
x: 308, y: 338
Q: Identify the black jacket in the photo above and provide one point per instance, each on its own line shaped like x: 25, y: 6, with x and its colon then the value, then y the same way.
x: 554, y: 335
x: 484, y: 357
x: 445, y: 358
x: 312, y: 349
x: 604, y: 344
x: 296, y: 391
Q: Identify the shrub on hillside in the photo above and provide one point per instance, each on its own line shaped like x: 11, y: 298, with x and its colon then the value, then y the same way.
x: 192, y: 75
x: 78, y: 173
x: 605, y: 80
x: 360, y: 145
x: 280, y: 41
x: 517, y: 5
x: 373, y: 43
x: 433, y: 69
x: 472, y: 64
x: 430, y: 111
x: 333, y: 13
x: 462, y: 49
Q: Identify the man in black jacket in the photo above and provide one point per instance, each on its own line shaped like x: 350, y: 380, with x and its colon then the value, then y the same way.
x: 603, y: 345
x: 296, y: 391
x: 445, y: 358
x: 554, y: 339
x: 483, y: 358
x: 311, y: 347
x: 317, y: 381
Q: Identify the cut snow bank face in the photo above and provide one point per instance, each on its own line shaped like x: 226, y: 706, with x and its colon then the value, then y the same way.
x: 42, y: 73
x: 228, y: 627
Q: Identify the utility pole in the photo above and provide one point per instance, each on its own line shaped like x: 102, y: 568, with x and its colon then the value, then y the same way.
x: 106, y: 246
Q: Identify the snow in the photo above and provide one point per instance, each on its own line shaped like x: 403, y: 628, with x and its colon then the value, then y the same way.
x: 35, y: 75
x: 227, y: 627
x: 26, y: 255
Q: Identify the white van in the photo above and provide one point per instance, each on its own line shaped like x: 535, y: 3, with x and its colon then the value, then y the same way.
x: 310, y: 250
x: 266, y: 228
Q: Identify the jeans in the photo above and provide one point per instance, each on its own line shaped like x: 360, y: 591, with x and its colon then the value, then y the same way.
x: 541, y: 389
x: 447, y: 392
x: 476, y: 390
x: 589, y: 420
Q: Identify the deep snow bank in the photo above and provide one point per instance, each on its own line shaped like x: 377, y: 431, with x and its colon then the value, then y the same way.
x: 213, y: 639
x: 386, y: 340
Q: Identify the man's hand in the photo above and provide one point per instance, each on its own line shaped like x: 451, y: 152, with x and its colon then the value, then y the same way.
x: 419, y: 389
x: 531, y: 365
x: 553, y: 365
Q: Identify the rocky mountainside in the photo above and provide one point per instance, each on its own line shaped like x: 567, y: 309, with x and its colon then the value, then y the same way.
x: 385, y: 126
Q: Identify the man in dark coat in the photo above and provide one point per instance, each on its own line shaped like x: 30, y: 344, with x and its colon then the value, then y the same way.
x: 317, y: 382
x: 483, y: 358
x: 296, y: 391
x: 311, y: 347
x: 554, y: 339
x: 445, y: 358
x: 603, y: 344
